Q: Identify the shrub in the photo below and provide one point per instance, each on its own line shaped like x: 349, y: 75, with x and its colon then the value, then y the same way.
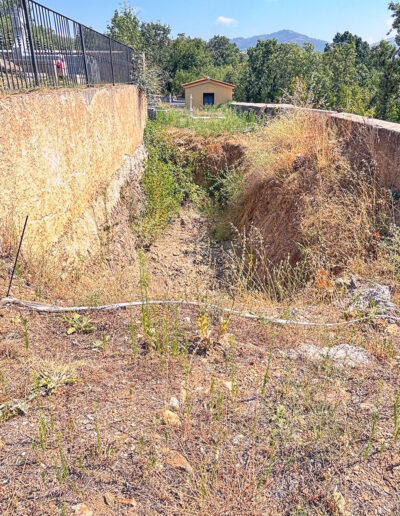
x: 167, y: 182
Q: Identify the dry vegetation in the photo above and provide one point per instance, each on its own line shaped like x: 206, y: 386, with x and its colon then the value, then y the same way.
x: 307, y: 199
x: 178, y: 410
x: 249, y: 430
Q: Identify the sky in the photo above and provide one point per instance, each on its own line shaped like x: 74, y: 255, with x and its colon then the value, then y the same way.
x: 320, y: 19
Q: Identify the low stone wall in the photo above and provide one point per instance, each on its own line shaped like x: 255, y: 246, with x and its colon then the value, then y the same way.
x: 379, y: 139
x: 64, y: 157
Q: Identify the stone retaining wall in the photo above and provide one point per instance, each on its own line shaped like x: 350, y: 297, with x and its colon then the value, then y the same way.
x: 380, y: 139
x: 64, y: 155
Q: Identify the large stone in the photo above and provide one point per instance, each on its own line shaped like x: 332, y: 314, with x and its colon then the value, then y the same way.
x: 378, y: 297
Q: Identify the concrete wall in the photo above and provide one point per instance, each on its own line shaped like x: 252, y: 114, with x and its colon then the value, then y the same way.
x: 223, y: 94
x: 366, y: 137
x: 64, y: 155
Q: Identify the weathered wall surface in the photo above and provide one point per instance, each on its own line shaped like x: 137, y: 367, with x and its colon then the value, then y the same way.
x: 377, y: 138
x: 64, y: 155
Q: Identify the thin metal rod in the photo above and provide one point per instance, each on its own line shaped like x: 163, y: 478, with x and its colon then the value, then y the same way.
x: 84, y: 54
x: 16, y: 258
x: 111, y: 61
x: 30, y: 40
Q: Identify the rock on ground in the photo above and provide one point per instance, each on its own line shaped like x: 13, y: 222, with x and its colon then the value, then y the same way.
x: 377, y: 296
x: 343, y: 355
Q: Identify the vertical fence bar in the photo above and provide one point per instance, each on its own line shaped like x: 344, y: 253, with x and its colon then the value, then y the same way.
x: 111, y: 61
x: 84, y: 54
x: 30, y: 41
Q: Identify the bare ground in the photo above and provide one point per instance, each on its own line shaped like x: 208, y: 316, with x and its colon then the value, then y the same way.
x: 250, y: 430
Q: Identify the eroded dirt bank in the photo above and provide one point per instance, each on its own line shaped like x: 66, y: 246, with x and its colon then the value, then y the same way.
x: 184, y: 410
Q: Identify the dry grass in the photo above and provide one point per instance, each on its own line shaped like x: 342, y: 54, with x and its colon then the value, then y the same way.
x: 255, y: 432
x: 184, y: 412
x: 304, y: 201
x: 300, y: 205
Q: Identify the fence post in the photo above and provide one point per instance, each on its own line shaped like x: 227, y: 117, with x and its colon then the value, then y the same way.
x: 112, y: 64
x: 30, y: 41
x: 84, y: 54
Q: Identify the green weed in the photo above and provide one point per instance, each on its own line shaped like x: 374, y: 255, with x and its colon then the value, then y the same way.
x: 132, y: 332
x: 101, y: 345
x: 51, y: 375
x: 26, y: 332
x: 268, y: 368
x: 3, y: 382
x: 396, y: 416
x: 213, y: 121
x: 375, y: 419
x: 79, y: 324
x: 63, y: 460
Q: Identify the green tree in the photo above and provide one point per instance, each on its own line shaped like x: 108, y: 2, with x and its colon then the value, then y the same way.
x: 387, y: 64
x: 261, y: 79
x: 223, y: 52
x: 186, y: 53
x: 350, y: 74
x: 363, y: 50
x: 273, y: 69
x: 125, y: 27
x: 155, y: 40
x: 395, y: 8
x: 188, y: 59
x: 340, y: 67
x: 151, y: 39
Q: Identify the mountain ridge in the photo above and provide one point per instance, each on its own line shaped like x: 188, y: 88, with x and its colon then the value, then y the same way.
x: 282, y: 36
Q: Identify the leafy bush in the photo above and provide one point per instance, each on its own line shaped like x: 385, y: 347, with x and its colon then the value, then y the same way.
x: 167, y: 182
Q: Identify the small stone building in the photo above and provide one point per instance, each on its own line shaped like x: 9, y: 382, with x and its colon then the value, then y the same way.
x: 208, y: 92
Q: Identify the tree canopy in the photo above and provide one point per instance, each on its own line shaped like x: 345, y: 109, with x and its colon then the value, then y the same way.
x: 349, y: 75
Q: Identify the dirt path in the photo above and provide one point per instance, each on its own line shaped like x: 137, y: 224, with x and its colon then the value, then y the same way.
x: 180, y: 263
x: 184, y: 257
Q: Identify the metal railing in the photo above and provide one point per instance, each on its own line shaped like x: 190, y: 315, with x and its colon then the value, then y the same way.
x: 40, y: 47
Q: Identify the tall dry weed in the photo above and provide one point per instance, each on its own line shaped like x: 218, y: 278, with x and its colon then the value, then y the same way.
x: 308, y: 200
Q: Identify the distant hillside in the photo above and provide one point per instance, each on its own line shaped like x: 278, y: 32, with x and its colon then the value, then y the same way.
x: 283, y: 36
x: 392, y: 41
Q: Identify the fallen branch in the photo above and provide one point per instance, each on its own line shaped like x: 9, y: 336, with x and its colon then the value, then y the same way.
x: 41, y: 307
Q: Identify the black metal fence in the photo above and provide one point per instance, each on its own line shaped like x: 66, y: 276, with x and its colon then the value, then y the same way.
x: 40, y: 47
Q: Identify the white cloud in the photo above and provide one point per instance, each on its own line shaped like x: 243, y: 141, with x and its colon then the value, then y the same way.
x: 389, y: 23
x: 223, y: 20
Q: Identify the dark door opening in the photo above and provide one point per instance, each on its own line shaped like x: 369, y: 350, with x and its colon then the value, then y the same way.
x: 208, y: 99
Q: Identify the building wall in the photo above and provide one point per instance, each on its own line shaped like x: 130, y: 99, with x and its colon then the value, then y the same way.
x: 223, y: 94
x: 366, y: 137
x: 63, y: 157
